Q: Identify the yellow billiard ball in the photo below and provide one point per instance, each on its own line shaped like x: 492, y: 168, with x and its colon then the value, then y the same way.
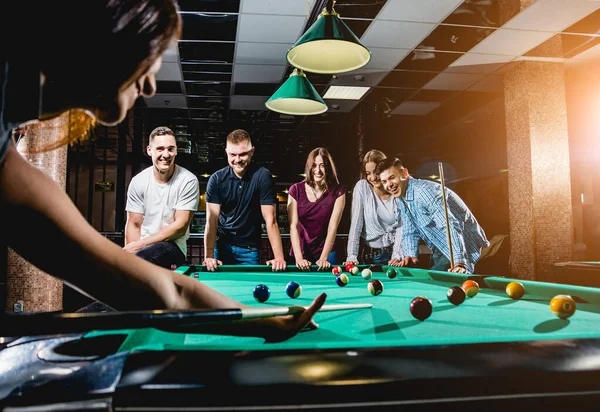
x: 563, y: 306
x: 515, y: 290
x: 470, y: 287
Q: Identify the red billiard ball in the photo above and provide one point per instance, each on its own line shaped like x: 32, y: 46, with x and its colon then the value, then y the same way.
x: 470, y: 287
x: 349, y: 267
x: 421, y: 308
x: 336, y: 270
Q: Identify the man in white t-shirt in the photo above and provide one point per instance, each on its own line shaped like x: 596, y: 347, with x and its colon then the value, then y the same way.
x: 161, y: 201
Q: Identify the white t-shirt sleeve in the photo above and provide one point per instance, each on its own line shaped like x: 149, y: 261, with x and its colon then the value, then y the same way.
x: 135, y: 197
x: 189, y: 197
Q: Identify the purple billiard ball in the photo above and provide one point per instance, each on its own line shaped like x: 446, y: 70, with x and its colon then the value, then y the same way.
x: 421, y: 308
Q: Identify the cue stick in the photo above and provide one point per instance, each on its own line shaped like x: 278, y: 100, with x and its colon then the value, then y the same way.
x: 446, y: 212
x: 35, y: 324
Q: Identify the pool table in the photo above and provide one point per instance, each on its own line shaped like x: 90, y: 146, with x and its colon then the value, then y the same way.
x: 490, y: 352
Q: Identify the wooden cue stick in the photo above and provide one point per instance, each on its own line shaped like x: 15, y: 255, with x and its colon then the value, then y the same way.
x: 446, y: 212
x: 35, y: 324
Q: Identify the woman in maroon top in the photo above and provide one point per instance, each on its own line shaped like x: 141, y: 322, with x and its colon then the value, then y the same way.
x: 315, y: 208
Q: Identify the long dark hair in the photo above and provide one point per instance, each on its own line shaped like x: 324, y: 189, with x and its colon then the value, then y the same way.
x: 117, y: 39
x: 331, y: 178
x: 374, y: 156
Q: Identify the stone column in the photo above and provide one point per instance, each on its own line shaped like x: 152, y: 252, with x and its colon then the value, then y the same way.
x: 28, y: 288
x: 541, y: 227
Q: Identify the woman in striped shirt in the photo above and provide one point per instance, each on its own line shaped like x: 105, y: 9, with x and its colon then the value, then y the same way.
x: 374, y: 221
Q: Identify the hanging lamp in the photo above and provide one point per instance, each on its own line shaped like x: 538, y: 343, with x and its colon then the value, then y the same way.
x: 328, y: 47
x: 297, y: 96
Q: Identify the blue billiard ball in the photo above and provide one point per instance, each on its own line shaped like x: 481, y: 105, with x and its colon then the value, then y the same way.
x: 293, y: 289
x: 261, y: 293
x: 341, y: 280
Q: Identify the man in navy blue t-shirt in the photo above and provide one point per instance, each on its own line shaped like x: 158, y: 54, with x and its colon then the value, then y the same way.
x: 238, y: 198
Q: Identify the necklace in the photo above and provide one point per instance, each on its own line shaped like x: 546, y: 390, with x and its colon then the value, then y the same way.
x: 317, y: 197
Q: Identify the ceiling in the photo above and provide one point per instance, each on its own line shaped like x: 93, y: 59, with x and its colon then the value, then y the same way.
x: 430, y: 59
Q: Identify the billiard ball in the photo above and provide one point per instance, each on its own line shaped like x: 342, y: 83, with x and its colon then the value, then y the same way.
x: 196, y: 275
x: 563, y: 306
x: 456, y: 295
x: 336, y: 270
x: 293, y: 289
x: 261, y: 293
x: 391, y: 273
x: 515, y: 290
x: 421, y: 308
x: 375, y: 287
x: 173, y: 266
x: 349, y: 266
x: 354, y: 270
x: 366, y: 274
x: 341, y: 280
x: 470, y: 287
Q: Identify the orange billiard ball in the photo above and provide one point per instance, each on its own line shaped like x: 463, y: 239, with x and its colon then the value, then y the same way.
x: 515, y: 290
x: 563, y: 306
x: 470, y: 287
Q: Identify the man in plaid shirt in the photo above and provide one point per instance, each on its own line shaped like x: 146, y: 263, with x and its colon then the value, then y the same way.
x: 421, y: 211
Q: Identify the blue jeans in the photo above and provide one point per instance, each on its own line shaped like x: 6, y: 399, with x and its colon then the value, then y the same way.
x: 236, y: 255
x: 439, y: 261
x: 163, y: 254
x: 382, y: 258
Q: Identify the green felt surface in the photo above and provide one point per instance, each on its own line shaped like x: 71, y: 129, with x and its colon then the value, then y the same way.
x: 490, y: 316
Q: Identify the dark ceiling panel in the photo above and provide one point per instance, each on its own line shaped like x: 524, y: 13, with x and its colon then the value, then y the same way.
x: 219, y: 6
x: 168, y: 87
x: 587, y: 25
x: 406, y: 79
x: 255, y: 89
x: 454, y: 38
x: 366, y: 9
x: 427, y: 61
x: 478, y: 13
x: 207, y: 76
x: 207, y: 88
x: 206, y: 52
x: 209, y: 26
x: 358, y: 27
x: 208, y: 102
x: 206, y: 67
x: 390, y: 95
x: 425, y: 95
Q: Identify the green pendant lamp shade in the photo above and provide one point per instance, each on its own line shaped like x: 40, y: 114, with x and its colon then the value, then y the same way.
x: 297, y: 96
x: 328, y: 47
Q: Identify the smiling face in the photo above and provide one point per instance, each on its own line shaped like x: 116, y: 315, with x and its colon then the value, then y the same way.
x: 371, y: 176
x: 163, y: 150
x: 239, y: 156
x: 394, y: 180
x: 319, y: 175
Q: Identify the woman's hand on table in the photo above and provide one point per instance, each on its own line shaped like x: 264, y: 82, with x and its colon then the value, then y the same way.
x: 303, y: 264
x: 277, y: 264
x: 458, y: 268
x: 323, y: 264
x: 212, y: 264
x: 353, y: 262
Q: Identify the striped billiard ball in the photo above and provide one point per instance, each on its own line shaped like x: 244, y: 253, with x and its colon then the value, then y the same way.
x: 375, y: 287
x: 470, y: 287
x: 341, y: 280
x: 293, y: 289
